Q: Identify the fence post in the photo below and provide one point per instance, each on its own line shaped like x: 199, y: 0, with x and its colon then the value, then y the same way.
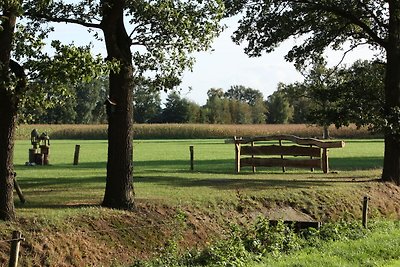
x: 76, y: 154
x: 283, y: 165
x: 237, y: 154
x: 191, y: 149
x: 14, y: 252
x: 252, y: 158
x: 365, y: 212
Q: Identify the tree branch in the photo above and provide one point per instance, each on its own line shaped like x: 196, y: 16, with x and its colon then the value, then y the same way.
x: 66, y: 20
x: 356, y: 21
x: 19, y: 72
x: 372, y: 14
x: 335, y: 9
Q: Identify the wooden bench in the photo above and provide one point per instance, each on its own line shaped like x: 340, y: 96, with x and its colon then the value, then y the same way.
x: 309, y: 149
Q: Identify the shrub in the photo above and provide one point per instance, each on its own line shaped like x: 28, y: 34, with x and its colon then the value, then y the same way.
x: 246, y: 245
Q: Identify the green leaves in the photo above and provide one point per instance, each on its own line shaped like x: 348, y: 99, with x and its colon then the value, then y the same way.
x: 167, y: 32
x: 320, y: 24
x: 164, y: 34
x: 346, y: 95
x: 72, y: 64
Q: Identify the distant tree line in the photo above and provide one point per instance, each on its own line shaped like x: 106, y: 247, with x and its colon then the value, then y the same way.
x: 326, y: 96
x: 80, y: 104
x: 238, y: 105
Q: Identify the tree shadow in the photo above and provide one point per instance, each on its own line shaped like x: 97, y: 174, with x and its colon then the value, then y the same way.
x: 66, y: 182
x: 63, y: 206
x: 262, y: 183
x: 63, y: 166
x: 228, y: 165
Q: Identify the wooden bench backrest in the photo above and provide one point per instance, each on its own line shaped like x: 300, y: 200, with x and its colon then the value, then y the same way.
x: 281, y: 150
x: 294, y: 139
x: 308, y: 147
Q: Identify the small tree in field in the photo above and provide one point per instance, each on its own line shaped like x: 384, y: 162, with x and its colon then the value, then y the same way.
x: 278, y: 108
x: 340, y: 96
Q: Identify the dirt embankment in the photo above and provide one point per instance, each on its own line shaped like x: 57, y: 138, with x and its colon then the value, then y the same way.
x: 117, y: 237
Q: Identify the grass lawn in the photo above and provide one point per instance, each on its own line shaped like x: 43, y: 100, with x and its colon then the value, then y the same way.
x: 161, y: 174
x: 63, y: 200
x: 379, y: 248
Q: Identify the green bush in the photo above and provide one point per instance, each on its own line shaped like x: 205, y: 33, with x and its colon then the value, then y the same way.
x: 246, y: 245
x: 262, y: 238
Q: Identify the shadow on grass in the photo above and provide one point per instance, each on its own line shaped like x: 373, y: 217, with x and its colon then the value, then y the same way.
x: 227, y: 165
x: 211, y: 166
x: 59, y: 184
x: 242, y: 182
x: 41, y: 205
x: 356, y: 163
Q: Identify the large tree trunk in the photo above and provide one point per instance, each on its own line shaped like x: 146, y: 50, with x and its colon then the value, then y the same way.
x: 391, y: 164
x: 8, y: 115
x: 7, y: 130
x: 119, y: 187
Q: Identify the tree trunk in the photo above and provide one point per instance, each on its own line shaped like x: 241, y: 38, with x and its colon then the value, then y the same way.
x: 8, y: 114
x: 391, y: 164
x: 325, y: 133
x: 119, y: 187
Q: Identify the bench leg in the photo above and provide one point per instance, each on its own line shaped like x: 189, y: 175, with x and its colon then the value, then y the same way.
x: 325, y: 163
x: 237, y: 157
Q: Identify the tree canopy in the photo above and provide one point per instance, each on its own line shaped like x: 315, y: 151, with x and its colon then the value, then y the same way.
x: 317, y: 24
x: 321, y: 24
x: 162, y: 34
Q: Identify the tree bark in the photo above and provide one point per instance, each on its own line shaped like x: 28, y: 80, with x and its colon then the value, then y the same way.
x: 8, y: 115
x: 119, y: 188
x: 391, y: 164
x: 325, y: 133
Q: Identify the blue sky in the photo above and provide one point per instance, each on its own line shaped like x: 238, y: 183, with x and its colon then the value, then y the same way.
x: 226, y: 65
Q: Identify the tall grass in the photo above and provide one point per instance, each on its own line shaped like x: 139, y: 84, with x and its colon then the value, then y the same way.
x: 189, y: 131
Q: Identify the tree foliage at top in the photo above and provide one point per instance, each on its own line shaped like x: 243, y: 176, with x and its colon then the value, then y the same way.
x: 319, y: 24
x: 163, y: 33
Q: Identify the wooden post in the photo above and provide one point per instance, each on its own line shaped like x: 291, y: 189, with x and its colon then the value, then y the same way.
x: 312, y: 169
x: 325, y: 163
x: 76, y: 154
x: 252, y: 159
x: 19, y: 191
x: 39, y: 159
x: 45, y: 151
x: 191, y: 149
x: 237, y: 155
x: 32, y: 152
x: 365, y: 212
x: 14, y: 252
x: 283, y: 167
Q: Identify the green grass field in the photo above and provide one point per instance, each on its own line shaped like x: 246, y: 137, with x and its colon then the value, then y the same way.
x: 161, y: 173
x: 376, y: 249
x: 62, y: 197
